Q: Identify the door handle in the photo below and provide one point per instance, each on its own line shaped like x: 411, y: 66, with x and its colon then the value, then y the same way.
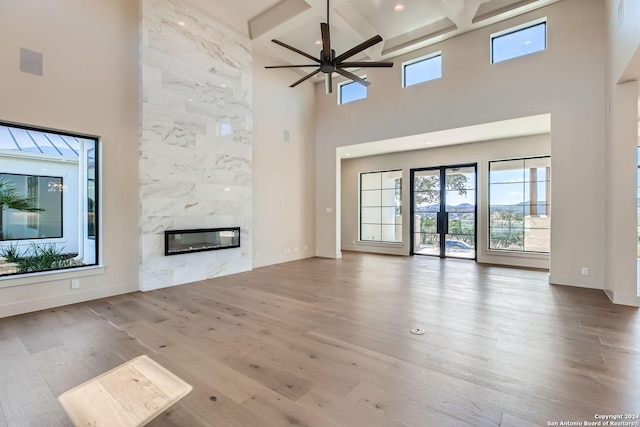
x: 445, y: 225
x: 439, y: 222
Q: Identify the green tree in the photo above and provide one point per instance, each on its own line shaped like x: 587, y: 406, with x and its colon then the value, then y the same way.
x: 427, y: 188
x: 507, y: 229
x: 12, y: 199
x: 427, y: 192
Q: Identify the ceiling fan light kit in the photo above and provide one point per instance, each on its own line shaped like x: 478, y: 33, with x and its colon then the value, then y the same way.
x: 329, y: 63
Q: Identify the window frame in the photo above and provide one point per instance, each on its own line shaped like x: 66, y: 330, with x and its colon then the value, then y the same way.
x: 360, y: 223
x: 32, y: 220
x: 517, y: 29
x: 424, y: 58
x: 638, y: 196
x: 84, y: 269
x: 93, y: 179
x: 346, y: 83
x: 489, y: 206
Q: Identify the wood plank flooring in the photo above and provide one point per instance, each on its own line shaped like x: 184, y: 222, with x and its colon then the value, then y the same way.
x: 322, y: 342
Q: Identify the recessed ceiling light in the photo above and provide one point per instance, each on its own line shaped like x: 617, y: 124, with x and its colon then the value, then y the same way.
x: 399, y: 7
x: 527, y: 42
x: 347, y: 154
x: 318, y: 43
x: 181, y: 23
x: 224, y: 85
x: 190, y: 99
x: 429, y: 142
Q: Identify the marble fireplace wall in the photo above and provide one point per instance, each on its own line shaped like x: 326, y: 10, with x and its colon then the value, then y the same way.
x: 195, y: 141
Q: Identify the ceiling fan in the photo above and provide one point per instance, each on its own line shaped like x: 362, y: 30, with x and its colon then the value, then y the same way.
x: 329, y: 63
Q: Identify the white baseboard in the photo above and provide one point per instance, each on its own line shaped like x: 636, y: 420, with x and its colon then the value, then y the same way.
x: 35, y: 304
x: 377, y: 249
x: 329, y: 254
x: 623, y: 299
x: 263, y: 262
x: 615, y: 297
x: 576, y: 281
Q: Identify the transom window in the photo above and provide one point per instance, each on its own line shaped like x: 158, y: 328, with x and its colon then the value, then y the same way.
x: 381, y: 206
x: 350, y: 91
x: 520, y: 204
x: 422, y: 69
x: 519, y: 41
x: 48, y: 200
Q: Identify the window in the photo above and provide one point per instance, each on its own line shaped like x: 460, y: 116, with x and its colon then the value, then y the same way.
x: 351, y: 91
x: 519, y: 41
x: 520, y: 204
x: 48, y: 200
x: 422, y: 70
x: 38, y: 215
x: 381, y: 206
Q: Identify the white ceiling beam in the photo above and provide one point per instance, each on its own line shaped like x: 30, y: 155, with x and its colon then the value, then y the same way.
x: 498, y: 7
x: 308, y: 17
x: 283, y: 12
x: 461, y: 12
x: 352, y: 24
x: 421, y: 37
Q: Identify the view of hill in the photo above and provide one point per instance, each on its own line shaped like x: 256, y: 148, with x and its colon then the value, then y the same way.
x: 467, y: 207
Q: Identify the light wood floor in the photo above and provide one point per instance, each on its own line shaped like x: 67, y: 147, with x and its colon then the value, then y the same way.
x: 325, y: 342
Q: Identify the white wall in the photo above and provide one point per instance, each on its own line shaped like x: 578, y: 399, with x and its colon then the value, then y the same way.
x: 90, y: 86
x: 621, y: 148
x: 479, y: 152
x: 566, y: 81
x: 623, y: 19
x: 283, y: 172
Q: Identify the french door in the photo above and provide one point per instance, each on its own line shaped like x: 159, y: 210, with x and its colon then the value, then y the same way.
x: 443, y: 211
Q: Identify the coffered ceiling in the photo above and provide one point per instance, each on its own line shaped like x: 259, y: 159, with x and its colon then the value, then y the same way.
x: 419, y: 24
x: 297, y: 22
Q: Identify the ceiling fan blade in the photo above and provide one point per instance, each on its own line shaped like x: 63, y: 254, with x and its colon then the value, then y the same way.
x: 326, y: 41
x: 328, y: 83
x: 291, y: 66
x: 365, y: 64
x: 278, y: 42
x: 362, y: 46
x: 308, y: 76
x: 352, y: 77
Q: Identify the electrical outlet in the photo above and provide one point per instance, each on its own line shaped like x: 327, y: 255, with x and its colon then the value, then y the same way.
x: 305, y: 248
x: 257, y: 254
x: 295, y: 249
x: 584, y: 271
x: 75, y: 283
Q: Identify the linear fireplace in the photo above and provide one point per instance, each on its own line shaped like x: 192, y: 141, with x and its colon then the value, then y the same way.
x: 178, y: 242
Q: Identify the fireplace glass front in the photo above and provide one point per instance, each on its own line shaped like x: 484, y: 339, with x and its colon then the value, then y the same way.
x: 178, y: 242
